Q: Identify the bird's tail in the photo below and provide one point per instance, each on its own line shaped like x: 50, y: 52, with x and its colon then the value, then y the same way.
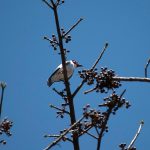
x: 49, y: 82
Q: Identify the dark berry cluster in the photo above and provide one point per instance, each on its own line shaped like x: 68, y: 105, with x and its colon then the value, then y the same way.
x: 115, y: 102
x: 5, y: 126
x: 123, y: 147
x: 66, y: 37
x: 94, y: 117
x: 104, y: 79
x: 88, y: 75
x: 54, y: 42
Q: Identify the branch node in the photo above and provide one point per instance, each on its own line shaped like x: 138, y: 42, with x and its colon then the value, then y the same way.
x: 146, y: 67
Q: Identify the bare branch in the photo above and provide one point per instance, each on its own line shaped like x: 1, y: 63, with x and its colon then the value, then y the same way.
x: 103, y: 128
x: 136, y: 135
x: 93, y: 67
x: 146, y: 67
x: 100, y: 56
x: 59, y: 93
x: 73, y: 27
x: 56, y: 136
x: 51, y: 41
x: 90, y: 90
x: 78, y: 88
x: 97, y: 130
x: 3, y: 85
x: 92, y: 135
x: 48, y: 4
x: 62, y: 110
x: 66, y: 81
x: 63, y: 134
x: 134, y: 79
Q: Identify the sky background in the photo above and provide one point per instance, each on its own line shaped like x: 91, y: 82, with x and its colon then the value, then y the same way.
x: 26, y: 61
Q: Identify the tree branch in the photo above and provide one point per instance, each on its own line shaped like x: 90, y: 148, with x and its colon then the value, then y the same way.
x: 93, y: 67
x: 56, y: 136
x: 66, y: 81
x: 136, y: 135
x: 63, y: 134
x: 90, y: 90
x: 103, y: 128
x: 134, y: 79
x: 47, y: 3
x: 62, y: 110
x: 73, y: 27
x: 100, y: 56
x: 92, y: 135
x: 146, y: 67
x: 3, y: 85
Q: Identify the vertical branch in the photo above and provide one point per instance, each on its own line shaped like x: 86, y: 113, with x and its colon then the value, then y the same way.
x: 66, y: 81
x: 103, y: 128
x: 3, y: 85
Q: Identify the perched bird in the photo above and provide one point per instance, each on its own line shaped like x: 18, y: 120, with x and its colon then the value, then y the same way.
x: 57, y: 75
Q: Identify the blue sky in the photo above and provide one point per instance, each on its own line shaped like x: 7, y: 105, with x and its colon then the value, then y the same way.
x: 27, y: 61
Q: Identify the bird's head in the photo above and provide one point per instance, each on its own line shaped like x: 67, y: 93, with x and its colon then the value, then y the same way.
x: 76, y: 64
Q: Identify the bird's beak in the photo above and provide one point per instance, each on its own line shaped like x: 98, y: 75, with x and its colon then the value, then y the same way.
x: 78, y: 65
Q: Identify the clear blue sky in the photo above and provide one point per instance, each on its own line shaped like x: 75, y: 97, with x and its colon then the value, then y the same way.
x: 27, y: 61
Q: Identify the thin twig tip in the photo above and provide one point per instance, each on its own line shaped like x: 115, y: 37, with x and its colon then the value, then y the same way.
x: 142, y: 122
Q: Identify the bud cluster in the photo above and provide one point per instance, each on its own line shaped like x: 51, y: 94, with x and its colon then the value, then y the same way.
x: 66, y: 37
x: 104, y: 79
x: 54, y: 42
x: 94, y: 117
x: 115, y: 102
x: 5, y: 126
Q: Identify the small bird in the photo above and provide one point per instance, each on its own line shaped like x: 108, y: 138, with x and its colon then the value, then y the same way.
x: 57, y: 75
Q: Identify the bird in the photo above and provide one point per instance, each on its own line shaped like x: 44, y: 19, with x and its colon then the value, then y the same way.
x: 58, y: 76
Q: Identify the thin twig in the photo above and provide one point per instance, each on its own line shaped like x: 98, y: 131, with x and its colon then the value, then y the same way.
x: 134, y: 79
x: 100, y: 56
x: 97, y: 130
x: 136, y: 135
x: 48, y: 4
x: 59, y: 93
x: 146, y: 67
x: 122, y: 93
x: 78, y: 88
x: 62, y: 110
x: 90, y: 90
x: 87, y: 129
x: 56, y: 136
x: 51, y: 41
x: 3, y: 85
x: 92, y: 135
x: 73, y: 27
x: 63, y: 134
x: 93, y: 67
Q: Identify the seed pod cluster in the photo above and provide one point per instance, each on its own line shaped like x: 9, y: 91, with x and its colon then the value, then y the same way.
x: 104, y: 80
x: 5, y: 127
x: 94, y: 117
x: 115, y: 102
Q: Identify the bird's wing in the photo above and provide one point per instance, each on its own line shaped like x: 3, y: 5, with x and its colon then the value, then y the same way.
x: 59, y: 70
